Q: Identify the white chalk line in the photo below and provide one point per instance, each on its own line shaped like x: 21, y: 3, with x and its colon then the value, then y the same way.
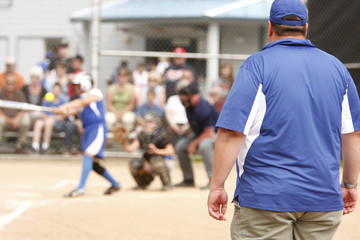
x: 24, y: 205
x: 61, y: 184
x: 15, y: 214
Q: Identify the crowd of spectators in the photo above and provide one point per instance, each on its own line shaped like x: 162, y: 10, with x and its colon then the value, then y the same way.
x: 54, y: 75
x: 130, y: 95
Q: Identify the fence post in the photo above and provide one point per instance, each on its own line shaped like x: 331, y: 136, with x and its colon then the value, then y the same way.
x: 95, y: 35
x: 213, y: 45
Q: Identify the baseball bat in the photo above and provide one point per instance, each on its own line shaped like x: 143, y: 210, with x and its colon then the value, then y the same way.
x: 23, y: 106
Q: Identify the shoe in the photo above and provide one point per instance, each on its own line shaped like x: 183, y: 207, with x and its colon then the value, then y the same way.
x: 112, y: 189
x: 20, y: 150
x: 142, y: 187
x: 67, y: 153
x: 33, y: 150
x: 206, y: 187
x: 45, y: 151
x: 77, y: 192
x: 186, y: 183
x: 167, y: 187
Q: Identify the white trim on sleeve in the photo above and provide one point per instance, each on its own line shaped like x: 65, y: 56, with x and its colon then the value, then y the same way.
x: 347, y: 125
x: 252, y: 127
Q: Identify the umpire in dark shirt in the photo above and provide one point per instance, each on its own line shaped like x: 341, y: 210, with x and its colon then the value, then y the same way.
x: 202, y: 119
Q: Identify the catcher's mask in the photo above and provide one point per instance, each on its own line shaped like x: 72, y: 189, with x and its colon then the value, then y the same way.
x: 152, y: 121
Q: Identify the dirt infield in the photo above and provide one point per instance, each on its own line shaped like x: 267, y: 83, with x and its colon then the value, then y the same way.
x: 32, y: 206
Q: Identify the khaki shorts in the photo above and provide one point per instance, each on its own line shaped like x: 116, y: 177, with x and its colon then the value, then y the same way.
x: 249, y: 223
x: 128, y: 120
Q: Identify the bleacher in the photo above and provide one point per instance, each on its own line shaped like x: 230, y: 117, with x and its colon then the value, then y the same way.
x: 112, y: 149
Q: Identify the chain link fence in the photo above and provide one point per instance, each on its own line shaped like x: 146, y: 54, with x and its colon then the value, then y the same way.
x: 333, y: 29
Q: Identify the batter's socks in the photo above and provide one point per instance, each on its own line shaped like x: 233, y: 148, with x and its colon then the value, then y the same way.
x: 107, y: 175
x: 35, y: 146
x: 45, y: 146
x: 86, y: 168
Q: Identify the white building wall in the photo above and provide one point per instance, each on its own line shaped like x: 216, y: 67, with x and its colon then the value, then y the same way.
x: 4, y: 48
x: 26, y: 23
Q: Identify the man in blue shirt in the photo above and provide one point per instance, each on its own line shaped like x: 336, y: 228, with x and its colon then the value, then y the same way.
x: 202, y: 118
x: 290, y: 112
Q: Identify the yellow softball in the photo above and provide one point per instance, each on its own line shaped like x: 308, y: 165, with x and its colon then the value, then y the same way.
x: 49, y: 97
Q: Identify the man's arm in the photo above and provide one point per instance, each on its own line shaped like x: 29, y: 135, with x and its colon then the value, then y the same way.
x: 109, y: 97
x: 3, y: 115
x: 207, y: 133
x: 131, y: 105
x: 132, y: 147
x: 17, y: 119
x: 351, y: 167
x: 167, y: 150
x: 227, y: 148
x: 72, y: 107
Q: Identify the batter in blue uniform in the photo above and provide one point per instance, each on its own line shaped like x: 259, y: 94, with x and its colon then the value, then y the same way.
x: 94, y: 137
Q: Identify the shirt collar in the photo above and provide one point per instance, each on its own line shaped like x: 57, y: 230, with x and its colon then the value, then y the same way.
x: 290, y: 42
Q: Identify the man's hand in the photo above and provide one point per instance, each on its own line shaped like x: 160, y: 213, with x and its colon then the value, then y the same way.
x: 349, y: 198
x: 217, y: 203
x: 192, y: 147
x: 119, y: 116
x: 14, y: 123
x: 152, y: 149
x: 182, y: 129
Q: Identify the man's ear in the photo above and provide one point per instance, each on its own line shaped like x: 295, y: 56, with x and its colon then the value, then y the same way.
x: 271, y: 32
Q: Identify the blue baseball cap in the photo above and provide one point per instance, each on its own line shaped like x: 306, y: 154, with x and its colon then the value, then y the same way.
x: 282, y: 8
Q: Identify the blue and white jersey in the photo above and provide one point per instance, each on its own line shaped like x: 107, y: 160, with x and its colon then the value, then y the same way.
x: 293, y: 102
x: 93, y: 113
x: 93, y: 120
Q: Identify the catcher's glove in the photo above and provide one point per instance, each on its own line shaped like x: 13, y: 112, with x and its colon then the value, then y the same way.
x: 121, y: 135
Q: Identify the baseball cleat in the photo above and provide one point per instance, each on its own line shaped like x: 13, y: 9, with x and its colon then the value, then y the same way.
x: 112, y: 189
x: 76, y: 193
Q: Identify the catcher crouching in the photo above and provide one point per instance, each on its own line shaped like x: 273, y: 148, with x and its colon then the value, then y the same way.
x: 156, y: 144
